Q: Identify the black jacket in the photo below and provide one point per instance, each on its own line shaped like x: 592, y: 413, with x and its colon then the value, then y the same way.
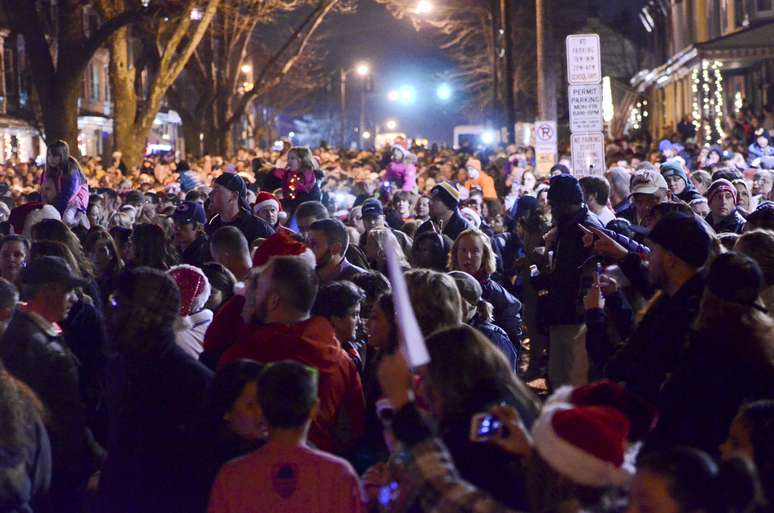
x: 564, y: 280
x: 507, y: 309
x: 456, y: 225
x: 251, y: 226
x: 703, y: 394
x: 85, y: 335
x: 154, y: 400
x: 653, y: 350
x: 198, y: 252
x: 38, y: 356
x: 732, y: 223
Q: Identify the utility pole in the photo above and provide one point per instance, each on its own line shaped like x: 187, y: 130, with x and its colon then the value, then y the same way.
x: 495, y: 117
x: 541, y: 62
x: 343, y: 98
x: 361, y: 130
x: 507, y: 45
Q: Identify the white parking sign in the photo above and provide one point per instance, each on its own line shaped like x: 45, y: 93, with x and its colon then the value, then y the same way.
x: 588, y: 154
x: 584, y: 65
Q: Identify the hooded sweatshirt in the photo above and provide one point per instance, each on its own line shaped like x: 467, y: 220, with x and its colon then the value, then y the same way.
x: 672, y: 168
x: 339, y: 422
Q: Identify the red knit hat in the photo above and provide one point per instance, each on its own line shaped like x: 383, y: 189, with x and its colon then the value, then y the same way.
x: 264, y: 199
x: 194, y: 288
x: 282, y: 243
x: 584, y: 443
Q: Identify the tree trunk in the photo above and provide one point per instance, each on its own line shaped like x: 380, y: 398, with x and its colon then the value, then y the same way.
x: 60, y: 112
x: 192, y: 130
x: 122, y: 77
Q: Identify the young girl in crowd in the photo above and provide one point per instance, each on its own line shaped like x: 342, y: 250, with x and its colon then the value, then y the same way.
x: 300, y: 180
x: 64, y: 185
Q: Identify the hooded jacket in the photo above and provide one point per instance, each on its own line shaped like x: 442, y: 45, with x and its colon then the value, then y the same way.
x: 672, y: 168
x: 313, y: 343
x: 732, y: 223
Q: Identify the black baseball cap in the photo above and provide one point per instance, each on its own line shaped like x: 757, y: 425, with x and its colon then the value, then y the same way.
x: 188, y: 212
x: 51, y: 269
x: 372, y: 207
x: 684, y: 236
x: 234, y: 183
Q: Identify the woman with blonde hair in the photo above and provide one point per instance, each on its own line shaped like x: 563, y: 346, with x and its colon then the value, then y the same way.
x: 376, y: 249
x: 472, y: 253
x: 436, y: 299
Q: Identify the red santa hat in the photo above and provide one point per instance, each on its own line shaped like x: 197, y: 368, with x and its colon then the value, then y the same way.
x: 586, y: 444
x: 641, y: 414
x: 281, y: 243
x: 265, y: 199
x: 194, y: 288
x: 24, y: 217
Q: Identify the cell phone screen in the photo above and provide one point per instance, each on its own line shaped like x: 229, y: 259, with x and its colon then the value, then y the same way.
x: 488, y: 426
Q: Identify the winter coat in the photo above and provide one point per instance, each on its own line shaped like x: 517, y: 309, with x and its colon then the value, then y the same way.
x: 345, y: 271
x: 564, y: 280
x: 86, y: 336
x: 456, y: 225
x: 312, y: 342
x: 732, y: 223
x: 250, y: 226
x: 198, y: 252
x: 226, y: 328
x: 655, y: 346
x: 306, y: 187
x: 755, y: 152
x: 403, y: 175
x: 191, y: 337
x: 485, y: 183
x: 35, y: 352
x: 507, y: 309
x: 25, y: 473
x: 499, y: 338
x: 703, y: 394
x: 71, y: 186
x: 154, y: 399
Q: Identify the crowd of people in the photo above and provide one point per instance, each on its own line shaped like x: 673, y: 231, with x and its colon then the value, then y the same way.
x: 220, y: 335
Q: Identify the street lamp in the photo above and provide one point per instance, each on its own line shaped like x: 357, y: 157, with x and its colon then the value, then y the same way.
x: 391, y: 124
x: 444, y: 92
x: 408, y: 94
x: 366, y: 134
x: 246, y: 68
x: 423, y: 7
x: 363, y: 69
x: 393, y: 95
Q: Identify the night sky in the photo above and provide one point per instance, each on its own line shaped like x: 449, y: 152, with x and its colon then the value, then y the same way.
x: 400, y: 55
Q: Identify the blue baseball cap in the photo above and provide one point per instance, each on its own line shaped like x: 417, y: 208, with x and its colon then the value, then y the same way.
x: 188, y: 212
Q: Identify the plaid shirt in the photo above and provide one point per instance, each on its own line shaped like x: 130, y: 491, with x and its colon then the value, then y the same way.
x: 430, y: 472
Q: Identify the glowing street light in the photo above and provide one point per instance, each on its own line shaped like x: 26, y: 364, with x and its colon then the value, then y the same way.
x: 366, y: 135
x: 408, y: 94
x: 246, y: 68
x: 444, y: 92
x: 363, y: 69
x: 391, y: 124
x: 393, y: 95
x: 423, y: 7
x: 488, y: 137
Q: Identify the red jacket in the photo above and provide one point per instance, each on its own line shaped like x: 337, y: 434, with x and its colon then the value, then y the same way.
x: 339, y: 422
x: 226, y: 327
